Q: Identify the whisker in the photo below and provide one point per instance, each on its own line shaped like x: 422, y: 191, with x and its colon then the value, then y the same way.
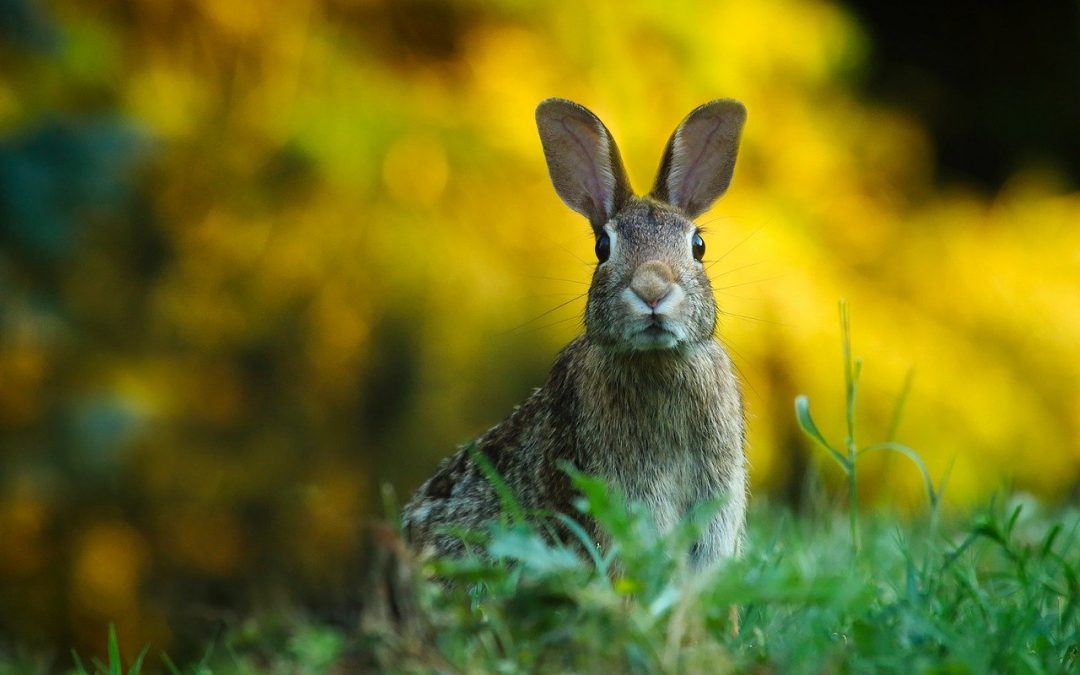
x: 747, y: 283
x: 732, y: 249
x: 556, y: 294
x: 555, y: 308
x: 732, y: 295
x: 569, y: 281
x: 738, y: 369
x: 753, y: 318
x: 556, y: 323
x: 713, y: 220
x: 567, y: 250
x: 732, y: 270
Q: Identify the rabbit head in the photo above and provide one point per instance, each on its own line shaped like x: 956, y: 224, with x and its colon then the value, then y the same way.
x: 649, y: 290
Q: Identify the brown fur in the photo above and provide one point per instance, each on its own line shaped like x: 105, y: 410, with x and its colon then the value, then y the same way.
x: 646, y: 398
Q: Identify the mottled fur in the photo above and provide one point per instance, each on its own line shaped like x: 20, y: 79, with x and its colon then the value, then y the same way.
x: 646, y: 398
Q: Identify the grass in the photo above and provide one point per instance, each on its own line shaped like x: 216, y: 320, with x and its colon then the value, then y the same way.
x: 996, y: 592
x: 824, y: 591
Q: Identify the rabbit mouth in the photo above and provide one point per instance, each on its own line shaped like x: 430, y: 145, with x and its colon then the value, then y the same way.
x: 654, y: 335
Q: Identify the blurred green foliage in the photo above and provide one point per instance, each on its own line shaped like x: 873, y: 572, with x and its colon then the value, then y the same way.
x: 256, y: 261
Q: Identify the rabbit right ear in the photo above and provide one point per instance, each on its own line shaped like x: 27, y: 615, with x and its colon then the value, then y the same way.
x: 700, y: 157
x: 583, y: 160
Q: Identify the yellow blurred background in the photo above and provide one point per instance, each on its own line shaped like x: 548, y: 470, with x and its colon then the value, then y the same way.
x: 258, y: 259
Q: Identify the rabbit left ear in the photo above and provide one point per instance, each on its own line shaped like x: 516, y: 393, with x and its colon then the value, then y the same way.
x: 700, y: 157
x: 583, y: 160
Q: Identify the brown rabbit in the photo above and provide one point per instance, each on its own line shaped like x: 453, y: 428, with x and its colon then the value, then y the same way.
x: 646, y: 399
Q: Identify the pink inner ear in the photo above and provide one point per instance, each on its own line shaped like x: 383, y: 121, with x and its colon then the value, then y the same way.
x: 692, y: 175
x: 591, y: 179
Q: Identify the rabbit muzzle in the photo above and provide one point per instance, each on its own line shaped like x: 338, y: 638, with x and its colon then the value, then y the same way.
x: 654, y: 302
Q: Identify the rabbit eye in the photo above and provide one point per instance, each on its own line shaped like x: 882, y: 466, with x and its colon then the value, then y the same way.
x: 698, y: 245
x: 603, y: 247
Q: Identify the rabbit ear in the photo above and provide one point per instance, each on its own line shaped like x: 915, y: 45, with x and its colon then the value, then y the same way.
x: 700, y: 157
x: 582, y: 159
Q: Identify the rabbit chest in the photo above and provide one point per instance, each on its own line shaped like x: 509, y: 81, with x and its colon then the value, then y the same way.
x: 665, y: 428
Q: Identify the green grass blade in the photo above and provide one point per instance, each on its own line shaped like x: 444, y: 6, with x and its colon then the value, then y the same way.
x: 851, y: 369
x: 1073, y: 583
x: 510, y: 504
x: 115, y: 667
x: 79, y: 667
x: 928, y: 483
x: 901, y: 403
x: 1013, y: 517
x: 169, y: 665
x: 136, y: 666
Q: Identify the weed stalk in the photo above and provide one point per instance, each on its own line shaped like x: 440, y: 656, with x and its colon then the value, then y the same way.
x: 851, y: 452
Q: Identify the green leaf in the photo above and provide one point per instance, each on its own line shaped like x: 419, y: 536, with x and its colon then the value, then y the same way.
x: 806, y: 422
x: 529, y: 549
x: 586, y: 541
x: 603, y: 502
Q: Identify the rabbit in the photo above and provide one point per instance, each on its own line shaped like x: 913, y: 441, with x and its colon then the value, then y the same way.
x: 646, y: 398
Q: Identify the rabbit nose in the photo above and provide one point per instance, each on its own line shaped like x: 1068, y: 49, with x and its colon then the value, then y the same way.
x: 652, y: 282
